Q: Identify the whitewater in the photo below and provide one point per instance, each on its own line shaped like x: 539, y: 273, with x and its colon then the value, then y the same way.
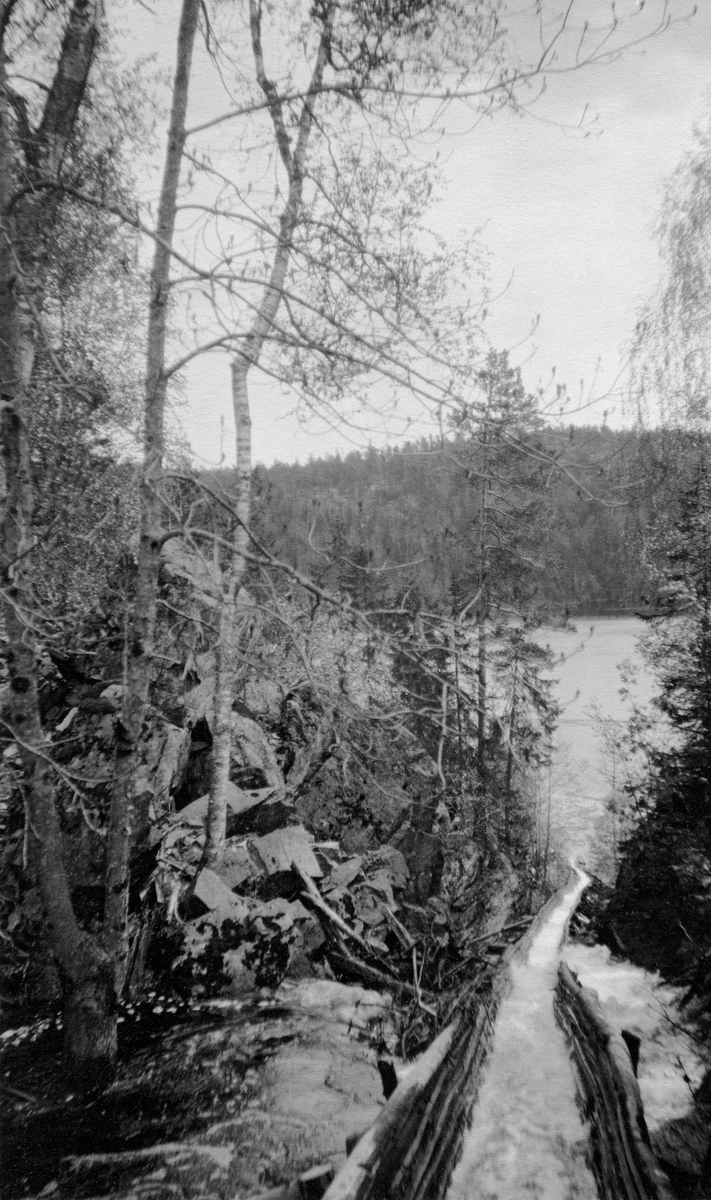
x: 527, y: 1138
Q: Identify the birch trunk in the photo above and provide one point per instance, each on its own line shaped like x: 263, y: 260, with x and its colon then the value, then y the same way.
x: 128, y: 768
x: 482, y: 656
x: 225, y: 651
x: 89, y: 1009
x: 483, y: 613
x: 294, y: 162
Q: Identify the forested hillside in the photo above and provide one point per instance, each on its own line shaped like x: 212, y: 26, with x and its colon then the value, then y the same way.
x: 377, y: 523
x: 218, y: 689
x: 281, y: 724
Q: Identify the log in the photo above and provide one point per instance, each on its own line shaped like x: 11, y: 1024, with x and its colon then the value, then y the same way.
x: 313, y: 1183
x: 376, y: 977
x: 313, y: 894
x: 411, y: 1149
x: 364, y: 1166
x: 380, y: 976
x: 623, y: 1161
x: 398, y: 929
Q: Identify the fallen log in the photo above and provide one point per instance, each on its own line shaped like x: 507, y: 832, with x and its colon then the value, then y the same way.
x: 380, y: 976
x: 622, y: 1158
x: 313, y: 894
x: 398, y: 929
x: 483, y: 937
x: 370, y: 974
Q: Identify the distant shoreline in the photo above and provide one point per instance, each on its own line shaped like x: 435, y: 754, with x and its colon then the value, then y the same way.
x: 585, y: 613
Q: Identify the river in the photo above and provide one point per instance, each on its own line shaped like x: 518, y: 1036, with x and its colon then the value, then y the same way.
x: 589, y: 689
x: 527, y: 1137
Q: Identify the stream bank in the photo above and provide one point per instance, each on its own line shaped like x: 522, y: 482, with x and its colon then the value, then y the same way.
x: 240, y: 1093
x: 673, y: 1067
x: 229, y: 1099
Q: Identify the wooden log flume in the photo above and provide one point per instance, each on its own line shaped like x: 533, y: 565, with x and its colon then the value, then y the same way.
x: 623, y: 1162
x: 408, y: 1149
x: 411, y: 1149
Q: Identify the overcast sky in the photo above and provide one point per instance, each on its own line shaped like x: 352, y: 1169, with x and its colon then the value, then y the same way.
x: 571, y: 218
x: 567, y: 218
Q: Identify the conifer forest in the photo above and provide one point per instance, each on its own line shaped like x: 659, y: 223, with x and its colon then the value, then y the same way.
x: 276, y: 739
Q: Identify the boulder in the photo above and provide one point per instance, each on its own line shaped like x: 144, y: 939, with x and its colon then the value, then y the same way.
x: 424, y: 855
x: 199, y: 699
x: 388, y: 863
x: 262, y: 862
x: 252, y: 748
x: 283, y: 912
x: 254, y: 811
x: 344, y: 873
x: 274, y: 936
x: 503, y: 886
x: 267, y: 813
x: 170, y: 757
x: 379, y: 882
x: 239, y: 867
x: 278, y: 850
x: 180, y: 560
x: 211, y: 891
x: 368, y: 905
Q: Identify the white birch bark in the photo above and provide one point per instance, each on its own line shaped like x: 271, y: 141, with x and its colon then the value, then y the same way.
x: 294, y: 163
x: 89, y: 1017
x: 140, y: 648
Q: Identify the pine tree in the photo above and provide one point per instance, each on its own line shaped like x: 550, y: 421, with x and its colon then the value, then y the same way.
x: 497, y: 451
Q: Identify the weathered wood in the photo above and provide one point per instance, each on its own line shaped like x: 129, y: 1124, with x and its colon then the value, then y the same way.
x: 379, y: 976
x: 313, y: 894
x: 365, y: 1172
x: 373, y: 975
x: 399, y: 930
x: 622, y: 1157
x: 313, y: 1183
x: 410, y: 1151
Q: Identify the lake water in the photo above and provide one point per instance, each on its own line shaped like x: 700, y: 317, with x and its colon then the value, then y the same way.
x: 589, y: 689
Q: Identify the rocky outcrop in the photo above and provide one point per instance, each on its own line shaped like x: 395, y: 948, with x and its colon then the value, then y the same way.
x: 424, y: 855
x: 234, y: 935
x: 231, y: 1100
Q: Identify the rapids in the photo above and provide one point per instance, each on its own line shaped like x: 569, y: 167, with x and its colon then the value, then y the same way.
x: 527, y: 1138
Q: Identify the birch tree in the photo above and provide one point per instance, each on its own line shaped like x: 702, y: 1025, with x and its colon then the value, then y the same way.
x: 129, y: 778
x: 336, y: 341
x: 671, y: 359
x: 318, y: 272
x: 32, y: 153
x: 35, y: 183
x: 334, y: 286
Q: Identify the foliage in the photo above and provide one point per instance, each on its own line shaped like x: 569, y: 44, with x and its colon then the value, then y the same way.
x: 671, y: 377
x: 405, y: 511
x: 662, y: 904
x: 328, y: 279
